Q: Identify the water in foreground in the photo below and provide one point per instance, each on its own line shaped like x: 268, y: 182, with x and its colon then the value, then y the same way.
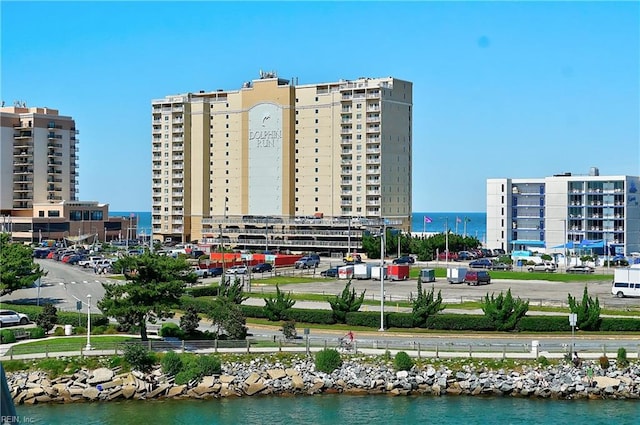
x: 338, y: 409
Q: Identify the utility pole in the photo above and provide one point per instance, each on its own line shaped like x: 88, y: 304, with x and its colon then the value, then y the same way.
x: 221, y: 250
x: 382, y: 252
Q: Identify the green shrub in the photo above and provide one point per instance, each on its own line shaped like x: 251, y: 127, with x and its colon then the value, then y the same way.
x: 369, y: 319
x: 171, y: 330
x: 7, y: 336
x: 543, y: 324
x: 80, y: 319
x: 398, y: 320
x: 387, y: 355
x: 195, y: 367
x: 59, y: 331
x: 80, y: 330
x: 323, y: 317
x: 111, y: 329
x: 98, y: 330
x: 604, y: 362
x: 36, y: 333
x: 253, y: 311
x: 203, y: 291
x: 171, y: 363
x: 619, y: 324
x: 328, y: 360
x: 208, y: 365
x: 402, y: 361
x: 621, y: 359
x: 460, y: 322
x: 543, y: 361
x: 139, y: 357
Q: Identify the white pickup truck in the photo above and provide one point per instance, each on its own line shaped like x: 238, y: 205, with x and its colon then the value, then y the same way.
x: 89, y: 262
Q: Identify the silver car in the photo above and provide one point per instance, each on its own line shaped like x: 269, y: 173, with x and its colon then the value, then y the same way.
x: 10, y: 317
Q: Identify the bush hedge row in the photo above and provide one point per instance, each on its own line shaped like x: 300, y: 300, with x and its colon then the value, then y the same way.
x: 442, y: 321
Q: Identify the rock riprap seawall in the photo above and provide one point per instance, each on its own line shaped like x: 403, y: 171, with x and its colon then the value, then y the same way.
x: 299, y: 377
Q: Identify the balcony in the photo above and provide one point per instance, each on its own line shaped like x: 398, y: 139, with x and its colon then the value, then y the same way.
x: 373, y: 129
x: 53, y: 125
x: 347, y: 130
x: 53, y: 136
x: 23, y: 135
x: 178, y: 130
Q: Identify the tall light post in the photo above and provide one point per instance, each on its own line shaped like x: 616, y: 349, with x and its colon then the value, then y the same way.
x: 266, y: 235
x: 88, y: 347
x: 221, y: 251
x: 382, y: 239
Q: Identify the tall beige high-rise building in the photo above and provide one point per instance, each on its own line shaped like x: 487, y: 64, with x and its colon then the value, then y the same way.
x: 275, y: 150
x: 38, y: 157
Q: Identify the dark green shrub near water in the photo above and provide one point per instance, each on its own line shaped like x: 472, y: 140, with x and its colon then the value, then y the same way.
x: 402, y: 361
x: 328, y: 360
x: 171, y: 363
x: 139, y: 357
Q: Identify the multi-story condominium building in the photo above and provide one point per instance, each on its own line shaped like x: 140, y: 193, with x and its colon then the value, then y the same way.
x: 564, y: 211
x: 270, y: 159
x: 38, y: 157
x: 39, y: 181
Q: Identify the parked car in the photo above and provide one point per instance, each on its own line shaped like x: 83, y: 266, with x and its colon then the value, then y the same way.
x: 10, y: 317
x: 477, y: 277
x: 501, y: 266
x: 262, y: 267
x: 201, y: 273
x: 481, y: 263
x: 215, y: 271
x: 41, y: 252
x: 237, y: 270
x: 352, y: 259
x: 406, y: 259
x: 306, y: 263
x: 89, y: 262
x: 466, y: 255
x: 332, y: 272
x: 452, y: 256
x: 581, y: 269
x: 545, y: 266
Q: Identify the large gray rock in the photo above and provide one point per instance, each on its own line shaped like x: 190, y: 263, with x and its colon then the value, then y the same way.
x: 100, y: 375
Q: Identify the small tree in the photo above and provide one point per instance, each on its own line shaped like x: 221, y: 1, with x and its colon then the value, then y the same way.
x: 275, y: 308
x: 289, y: 329
x: 232, y: 291
x: 190, y: 321
x: 228, y: 320
x: 425, y: 305
x: 588, y: 311
x: 346, y: 303
x: 504, y: 311
x: 17, y: 269
x: 48, y: 317
x: 139, y: 357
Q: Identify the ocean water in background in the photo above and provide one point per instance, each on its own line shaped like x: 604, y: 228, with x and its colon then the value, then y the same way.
x: 469, y: 223
x: 334, y: 409
x: 476, y: 222
x: 144, y: 219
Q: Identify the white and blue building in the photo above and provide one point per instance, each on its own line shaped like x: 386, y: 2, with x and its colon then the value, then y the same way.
x: 565, y: 211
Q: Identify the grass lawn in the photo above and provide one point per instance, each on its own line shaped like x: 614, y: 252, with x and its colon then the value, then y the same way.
x: 71, y: 343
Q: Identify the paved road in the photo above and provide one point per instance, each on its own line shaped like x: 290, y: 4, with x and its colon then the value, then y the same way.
x: 65, y: 284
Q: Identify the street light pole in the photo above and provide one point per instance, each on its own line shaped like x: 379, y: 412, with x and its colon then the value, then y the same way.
x: 382, y: 240
x: 221, y: 250
x: 88, y: 347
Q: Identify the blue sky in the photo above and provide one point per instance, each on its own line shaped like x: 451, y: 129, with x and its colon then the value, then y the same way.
x: 501, y: 89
